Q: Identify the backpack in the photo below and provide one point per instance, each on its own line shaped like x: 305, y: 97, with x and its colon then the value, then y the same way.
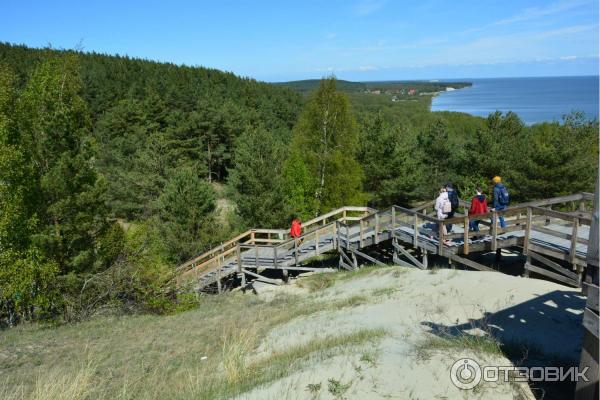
x: 446, y: 207
x: 503, y: 198
x: 453, y: 197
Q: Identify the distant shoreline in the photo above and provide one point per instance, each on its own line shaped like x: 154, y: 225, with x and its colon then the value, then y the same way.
x: 534, y: 100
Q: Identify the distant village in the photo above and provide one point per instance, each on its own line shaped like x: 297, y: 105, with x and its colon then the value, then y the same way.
x: 397, y: 93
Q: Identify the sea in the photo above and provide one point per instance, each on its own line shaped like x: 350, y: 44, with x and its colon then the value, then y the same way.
x: 533, y: 99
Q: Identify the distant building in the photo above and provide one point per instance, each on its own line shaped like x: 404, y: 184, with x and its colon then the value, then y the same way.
x: 411, y: 92
x: 376, y: 92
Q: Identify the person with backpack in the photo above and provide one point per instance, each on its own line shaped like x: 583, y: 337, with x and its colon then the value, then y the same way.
x: 501, y: 199
x: 443, y: 208
x: 453, y: 198
x: 478, y: 206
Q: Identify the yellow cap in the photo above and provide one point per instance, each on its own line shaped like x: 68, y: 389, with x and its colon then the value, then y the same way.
x: 497, y: 179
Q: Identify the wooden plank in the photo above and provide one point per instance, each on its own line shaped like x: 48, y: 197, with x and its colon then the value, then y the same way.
x: 593, y: 294
x: 554, y: 253
x: 406, y: 211
x: 369, y: 258
x: 402, y: 263
x: 555, y: 266
x: 408, y: 255
x: 309, y: 269
x: 345, y: 256
x: 262, y: 278
x: 549, y: 274
x: 554, y: 200
x: 345, y: 266
x: 558, y: 214
x: 591, y: 322
x: 469, y: 263
x: 562, y: 235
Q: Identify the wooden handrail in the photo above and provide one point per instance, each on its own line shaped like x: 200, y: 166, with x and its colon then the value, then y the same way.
x: 208, y: 255
x: 283, y: 242
x: 413, y: 212
x: 561, y: 215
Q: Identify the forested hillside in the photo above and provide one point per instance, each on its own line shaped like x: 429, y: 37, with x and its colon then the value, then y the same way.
x: 112, y: 169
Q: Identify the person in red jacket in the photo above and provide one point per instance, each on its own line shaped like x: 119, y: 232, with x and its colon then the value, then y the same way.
x: 296, y: 229
x: 478, y: 206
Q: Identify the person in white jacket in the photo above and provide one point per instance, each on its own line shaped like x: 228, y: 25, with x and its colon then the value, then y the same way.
x: 441, y: 201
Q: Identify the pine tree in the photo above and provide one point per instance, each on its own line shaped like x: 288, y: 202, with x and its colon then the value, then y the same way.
x: 186, y: 213
x: 53, y: 124
x: 256, y: 179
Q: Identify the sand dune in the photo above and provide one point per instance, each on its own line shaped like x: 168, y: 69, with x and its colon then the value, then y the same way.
x: 420, y: 310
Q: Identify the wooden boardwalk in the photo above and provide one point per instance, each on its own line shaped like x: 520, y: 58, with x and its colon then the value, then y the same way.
x: 554, y: 242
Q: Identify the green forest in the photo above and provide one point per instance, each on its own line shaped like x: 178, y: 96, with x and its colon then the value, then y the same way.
x: 114, y: 170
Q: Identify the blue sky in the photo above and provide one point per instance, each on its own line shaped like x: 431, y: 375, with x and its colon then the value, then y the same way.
x: 356, y: 40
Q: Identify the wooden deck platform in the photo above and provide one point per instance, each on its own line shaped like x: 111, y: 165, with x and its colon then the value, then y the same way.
x: 556, y: 240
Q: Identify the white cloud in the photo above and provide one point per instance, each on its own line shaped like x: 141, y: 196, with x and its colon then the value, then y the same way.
x: 367, y: 68
x: 569, y: 58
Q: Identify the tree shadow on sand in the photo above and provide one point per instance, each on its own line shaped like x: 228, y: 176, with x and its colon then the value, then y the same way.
x: 544, y: 331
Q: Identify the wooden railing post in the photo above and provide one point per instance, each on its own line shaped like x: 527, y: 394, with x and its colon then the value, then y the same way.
x: 336, y: 235
x: 347, y: 236
x: 296, y: 251
x: 256, y: 255
x: 239, y: 264
x: 376, y: 228
x: 573, y: 252
x: 219, y: 287
x: 466, y: 236
x: 527, y: 231
x: 494, y: 230
x: 362, y: 234
x: 275, y: 257
x: 441, y: 237
x: 317, y: 242
x: 394, y: 222
x: 416, y: 231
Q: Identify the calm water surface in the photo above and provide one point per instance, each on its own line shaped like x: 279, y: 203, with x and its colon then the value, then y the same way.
x: 533, y: 99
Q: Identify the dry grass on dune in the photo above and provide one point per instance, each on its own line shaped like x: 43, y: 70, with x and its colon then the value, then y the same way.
x: 200, y: 354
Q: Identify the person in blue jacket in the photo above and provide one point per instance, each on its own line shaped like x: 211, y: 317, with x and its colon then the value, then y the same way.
x: 501, y: 198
